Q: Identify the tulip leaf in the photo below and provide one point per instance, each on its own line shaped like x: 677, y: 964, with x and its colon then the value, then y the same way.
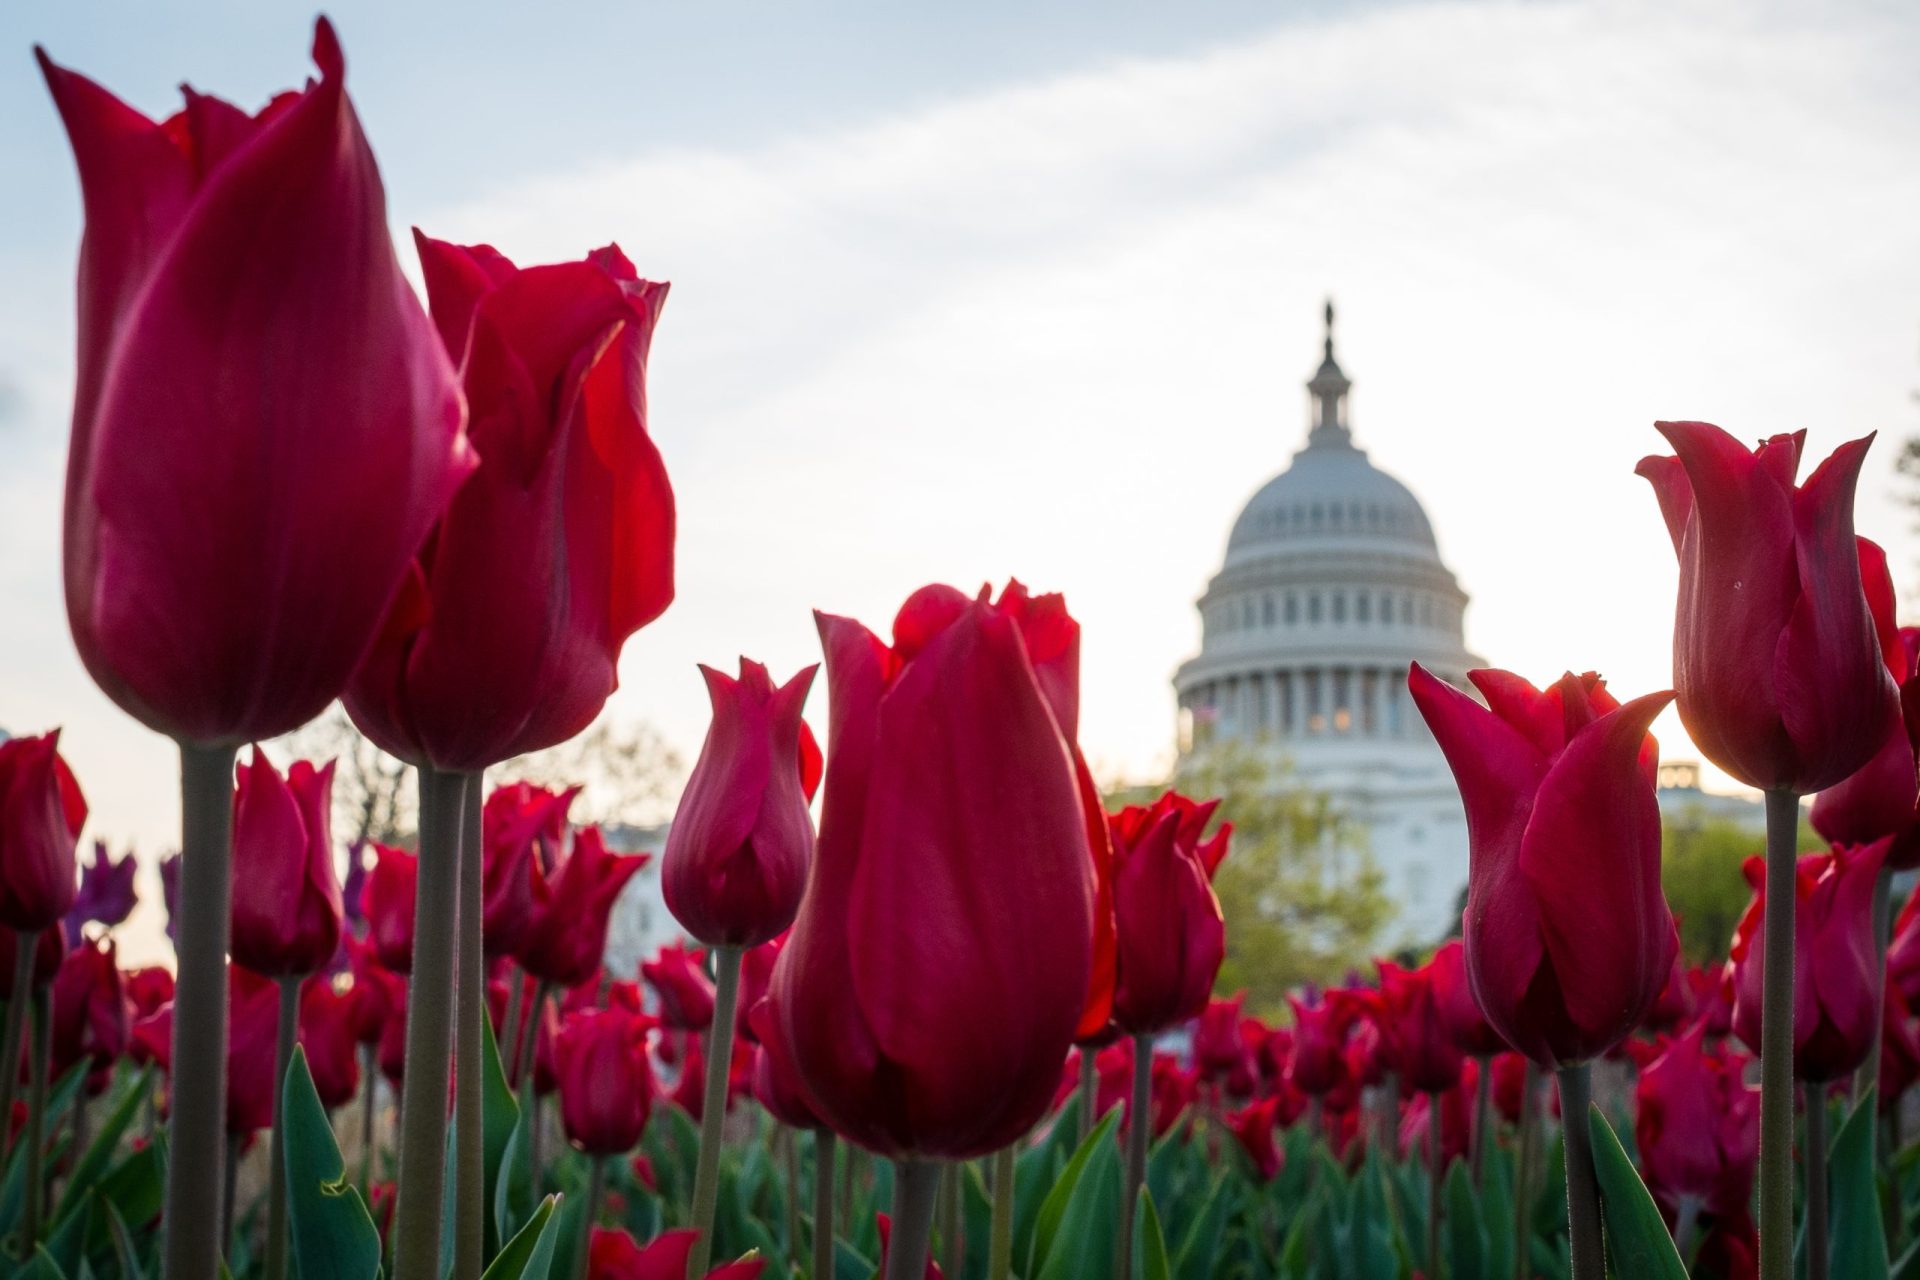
x: 333, y: 1236
x: 1858, y: 1241
x: 513, y: 1184
x: 1053, y: 1209
x: 1035, y: 1171
x: 1149, y: 1245
x: 1466, y: 1229
x: 1081, y: 1244
x: 1201, y: 1244
x: 68, y: 1244
x: 1637, y: 1236
x: 529, y: 1255
x: 43, y: 1267
x: 100, y: 1151
x: 123, y: 1250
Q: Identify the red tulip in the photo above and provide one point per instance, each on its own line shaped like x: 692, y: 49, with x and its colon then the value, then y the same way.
x: 1253, y: 1126
x: 388, y: 902
x: 1697, y: 1125
x: 286, y: 899
x: 41, y: 813
x: 614, y: 1255
x: 1903, y: 951
x: 690, y: 1088
x: 1316, y: 1062
x: 372, y: 991
x: 518, y: 823
x: 756, y: 975
x: 253, y: 1023
x: 261, y: 438
x: 946, y: 941
x: 568, y: 937
x: 1416, y: 1043
x: 507, y: 635
x: 1510, y: 1084
x: 1457, y: 1106
x: 679, y: 977
x: 777, y: 1090
x: 1882, y: 798
x: 1674, y: 1006
x: 1458, y: 1008
x: 606, y: 1080
x: 1780, y: 676
x: 1220, y: 1052
x: 1899, y: 1051
x: 1712, y: 989
x: 1836, y: 984
x: 738, y: 850
x: 1568, y: 936
x: 90, y: 1020
x: 48, y: 951
x: 330, y: 1037
x: 1170, y: 933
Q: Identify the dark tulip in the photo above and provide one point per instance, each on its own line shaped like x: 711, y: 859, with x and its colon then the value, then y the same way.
x: 606, y: 1080
x: 41, y: 813
x: 1171, y: 937
x: 568, y: 936
x: 286, y: 898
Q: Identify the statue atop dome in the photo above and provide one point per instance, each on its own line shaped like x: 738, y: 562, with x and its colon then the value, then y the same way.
x: 1329, y: 389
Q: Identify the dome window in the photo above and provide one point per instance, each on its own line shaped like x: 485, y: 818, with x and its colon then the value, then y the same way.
x: 1339, y: 607
x: 1293, y: 608
x: 1313, y: 607
x: 1363, y: 608
x: 1266, y: 611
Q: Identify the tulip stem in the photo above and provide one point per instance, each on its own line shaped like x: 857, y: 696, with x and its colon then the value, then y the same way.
x: 1583, y: 1191
x: 1000, y: 1243
x: 1868, y: 1076
x: 1089, y: 1090
x: 469, y: 1125
x: 18, y: 1001
x: 713, y: 1107
x: 1435, y: 1150
x: 596, y: 1188
x: 823, y: 1143
x: 35, y: 1134
x: 510, y: 1029
x: 916, y: 1185
x: 1482, y: 1116
x: 1776, y: 1040
x: 1816, y: 1157
x: 230, y: 1182
x: 1139, y: 1126
x: 289, y: 1031
x: 370, y: 1072
x: 1523, y: 1174
x: 421, y: 1189
x: 197, y: 1098
x: 789, y: 1140
x: 530, y: 1038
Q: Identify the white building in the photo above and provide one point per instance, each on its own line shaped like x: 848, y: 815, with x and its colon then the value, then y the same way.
x: 1332, y: 585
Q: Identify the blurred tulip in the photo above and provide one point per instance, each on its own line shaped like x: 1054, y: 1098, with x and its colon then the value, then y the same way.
x: 741, y: 842
x: 559, y: 547
x: 1567, y: 933
x: 1510, y: 1084
x: 261, y: 440
x: 253, y: 1016
x: 1836, y: 1003
x: 106, y: 895
x: 286, y: 901
x: 1779, y: 671
x: 606, y: 1080
x: 568, y: 937
x: 388, y: 902
x: 331, y: 1039
x: 947, y: 940
x: 518, y: 822
x: 1253, y: 1126
x: 1317, y: 1061
x: 1899, y: 1052
x: 777, y: 1091
x: 1697, y: 1125
x: 1170, y: 935
x: 679, y: 978
x: 1674, y: 1006
x: 90, y: 1020
x: 1458, y: 1007
x: 48, y: 952
x: 614, y: 1255
x: 1416, y: 1042
x: 756, y: 975
x: 1219, y: 1050
x: 41, y: 813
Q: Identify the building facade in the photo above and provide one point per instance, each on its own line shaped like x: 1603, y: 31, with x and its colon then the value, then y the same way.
x: 1332, y: 585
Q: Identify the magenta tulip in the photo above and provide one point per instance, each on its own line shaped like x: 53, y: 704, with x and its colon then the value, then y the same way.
x: 286, y: 898
x: 1170, y: 933
x: 41, y: 813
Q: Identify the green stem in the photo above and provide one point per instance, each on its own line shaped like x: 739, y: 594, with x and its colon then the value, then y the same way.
x: 952, y: 1251
x: 1389, y: 1116
x: 1000, y: 1244
x: 35, y: 1135
x: 197, y: 1097
x: 469, y: 1127
x: 1523, y: 1174
x: 1776, y: 1040
x: 1139, y: 1128
x: 510, y: 1042
x: 1089, y: 1090
x: 1583, y: 1192
x: 713, y: 1107
x: 1815, y: 1155
x: 916, y: 1184
x: 596, y: 1188
x: 530, y: 1038
x: 789, y: 1141
x: 370, y: 1086
x: 421, y: 1189
x: 289, y: 1032
x: 1482, y: 1118
x: 1434, y: 1173
x: 1868, y: 1076
x: 18, y: 1000
x: 823, y: 1144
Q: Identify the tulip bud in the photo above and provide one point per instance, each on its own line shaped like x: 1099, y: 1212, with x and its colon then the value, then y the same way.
x: 1253, y: 1126
x: 1220, y: 1051
x: 559, y: 547
x: 740, y: 845
x: 261, y: 439
x: 388, y: 903
x: 1171, y: 937
x: 1697, y: 1125
x: 568, y: 935
x: 679, y: 978
x: 329, y: 1034
x: 946, y: 941
x: 286, y: 900
x: 606, y: 1080
x: 1836, y: 982
x: 776, y: 1089
x: 1416, y: 1043
x: 1776, y: 661
x: 41, y: 813
x: 90, y: 1014
x: 1568, y: 937
x: 1316, y: 1061
x: 519, y: 825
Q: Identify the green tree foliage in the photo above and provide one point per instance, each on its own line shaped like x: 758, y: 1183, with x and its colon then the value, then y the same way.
x: 1303, y: 897
x: 1700, y: 868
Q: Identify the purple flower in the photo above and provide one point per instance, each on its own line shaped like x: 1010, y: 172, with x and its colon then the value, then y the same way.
x: 170, y: 891
x: 106, y: 893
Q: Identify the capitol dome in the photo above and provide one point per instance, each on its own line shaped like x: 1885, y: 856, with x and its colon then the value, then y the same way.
x: 1331, y: 586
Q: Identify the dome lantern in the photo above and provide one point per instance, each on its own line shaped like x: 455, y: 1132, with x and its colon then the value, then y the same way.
x: 1329, y: 389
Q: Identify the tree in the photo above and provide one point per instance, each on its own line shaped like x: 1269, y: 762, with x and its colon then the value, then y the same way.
x: 1701, y: 857
x: 1303, y: 898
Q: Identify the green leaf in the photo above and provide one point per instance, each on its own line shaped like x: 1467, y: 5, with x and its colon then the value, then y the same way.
x: 1081, y: 1245
x: 1466, y: 1230
x: 500, y: 1115
x: 529, y: 1255
x: 1637, y: 1237
x: 513, y: 1183
x: 1857, y: 1244
x: 1149, y: 1245
x: 332, y: 1235
x: 1200, y: 1247
x: 1053, y: 1209
x: 123, y: 1249
x: 43, y: 1267
x: 101, y: 1150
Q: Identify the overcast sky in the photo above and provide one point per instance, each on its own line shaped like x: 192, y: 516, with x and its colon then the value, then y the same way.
x: 964, y: 292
